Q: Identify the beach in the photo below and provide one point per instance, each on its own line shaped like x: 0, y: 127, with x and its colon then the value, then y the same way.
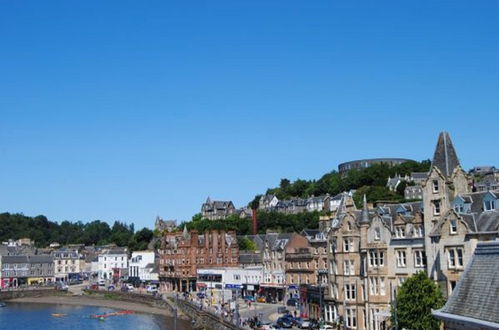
x: 94, y: 301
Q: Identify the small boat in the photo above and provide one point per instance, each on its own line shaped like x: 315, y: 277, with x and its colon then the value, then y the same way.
x: 58, y: 315
x: 2, y: 304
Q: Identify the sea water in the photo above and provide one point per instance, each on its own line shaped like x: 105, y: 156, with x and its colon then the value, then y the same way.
x: 25, y: 316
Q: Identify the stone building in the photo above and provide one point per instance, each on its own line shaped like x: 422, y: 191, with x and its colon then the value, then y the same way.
x: 445, y: 181
x: 371, y: 252
x: 183, y: 252
x: 26, y: 270
x: 66, y: 264
x: 274, y: 267
x: 217, y: 210
x: 113, y: 263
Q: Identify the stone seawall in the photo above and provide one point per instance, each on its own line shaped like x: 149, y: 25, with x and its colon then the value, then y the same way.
x: 20, y: 293
x: 203, y: 319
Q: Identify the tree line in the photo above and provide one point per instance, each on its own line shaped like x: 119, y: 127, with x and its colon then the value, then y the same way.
x: 44, y: 232
x: 370, y: 181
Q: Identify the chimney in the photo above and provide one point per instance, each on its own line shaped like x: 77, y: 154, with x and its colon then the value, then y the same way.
x: 255, y: 222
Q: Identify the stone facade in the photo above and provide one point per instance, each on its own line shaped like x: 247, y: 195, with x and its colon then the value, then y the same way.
x: 183, y: 252
x: 217, y: 210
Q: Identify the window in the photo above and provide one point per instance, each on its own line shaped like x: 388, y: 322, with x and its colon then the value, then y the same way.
x: 436, y: 207
x: 400, y: 231
x: 376, y: 258
x: 418, y: 230
x: 348, y: 267
x: 453, y: 226
x: 435, y: 186
x: 377, y: 234
x: 459, y: 208
x: 348, y: 245
x: 349, y: 225
x: 401, y: 258
x: 452, y: 285
x: 332, y: 246
x: 419, y: 258
x: 350, y: 293
x: 377, y: 286
x: 334, y: 267
x: 455, y: 258
x: 489, y: 205
x: 351, y: 318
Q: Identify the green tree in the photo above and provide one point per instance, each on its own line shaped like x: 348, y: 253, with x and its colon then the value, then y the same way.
x: 246, y: 244
x: 416, y: 298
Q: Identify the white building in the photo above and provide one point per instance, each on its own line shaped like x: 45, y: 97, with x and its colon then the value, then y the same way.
x: 113, y: 263
x: 142, y: 266
x: 246, y: 279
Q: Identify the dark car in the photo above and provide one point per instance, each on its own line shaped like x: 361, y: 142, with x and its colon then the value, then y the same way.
x: 284, y: 322
x: 292, y: 302
x: 269, y: 300
x: 201, y: 295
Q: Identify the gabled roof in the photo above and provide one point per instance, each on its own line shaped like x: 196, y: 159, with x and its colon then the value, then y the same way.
x: 474, y: 300
x: 445, y: 156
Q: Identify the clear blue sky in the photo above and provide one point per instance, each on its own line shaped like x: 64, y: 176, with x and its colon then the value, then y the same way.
x: 131, y: 109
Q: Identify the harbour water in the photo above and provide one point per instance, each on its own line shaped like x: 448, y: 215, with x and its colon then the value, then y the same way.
x: 39, y: 316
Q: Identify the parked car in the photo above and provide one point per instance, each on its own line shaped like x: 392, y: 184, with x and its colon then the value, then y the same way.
x: 152, y: 289
x: 261, y: 299
x: 102, y: 282
x: 284, y: 322
x: 130, y: 287
x: 201, y: 295
x: 292, y: 302
x: 249, y: 298
x: 301, y: 323
x: 61, y: 287
x: 111, y: 288
x: 327, y: 327
x: 270, y: 300
x: 94, y: 286
x: 265, y: 326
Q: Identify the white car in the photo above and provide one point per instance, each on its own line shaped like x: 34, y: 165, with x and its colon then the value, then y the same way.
x: 102, y: 283
x: 152, y: 288
x: 130, y: 287
x: 327, y: 327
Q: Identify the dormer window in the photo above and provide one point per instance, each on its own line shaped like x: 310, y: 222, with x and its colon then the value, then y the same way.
x: 377, y: 234
x: 453, y: 226
x: 459, y: 208
x: 489, y: 205
x: 349, y: 226
x: 435, y: 186
x: 400, y: 231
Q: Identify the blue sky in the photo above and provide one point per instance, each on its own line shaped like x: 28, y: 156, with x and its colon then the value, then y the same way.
x: 124, y: 110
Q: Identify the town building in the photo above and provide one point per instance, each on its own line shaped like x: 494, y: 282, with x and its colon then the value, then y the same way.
x: 244, y: 280
x: 26, y: 270
x: 217, y: 210
x: 445, y: 181
x: 474, y: 304
x: 67, y: 264
x: 273, y: 247
x: 142, y: 267
x: 161, y: 225
x: 183, y: 252
x: 113, y: 263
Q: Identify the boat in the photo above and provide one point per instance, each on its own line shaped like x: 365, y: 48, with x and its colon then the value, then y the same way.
x: 58, y: 315
x: 2, y: 304
x: 104, y: 316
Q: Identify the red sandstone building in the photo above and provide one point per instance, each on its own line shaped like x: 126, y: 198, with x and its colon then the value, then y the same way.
x: 182, y: 253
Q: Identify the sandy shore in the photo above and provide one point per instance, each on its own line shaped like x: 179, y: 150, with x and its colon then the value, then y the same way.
x: 93, y: 301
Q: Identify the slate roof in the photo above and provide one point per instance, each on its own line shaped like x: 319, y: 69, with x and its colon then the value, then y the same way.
x: 247, y: 257
x: 476, y: 294
x: 40, y: 259
x: 14, y: 259
x: 445, y: 156
x: 419, y: 175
